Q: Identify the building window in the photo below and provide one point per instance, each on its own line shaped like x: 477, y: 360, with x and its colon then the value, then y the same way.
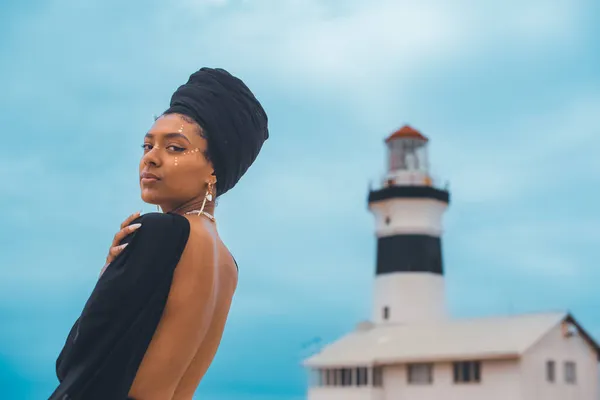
x: 362, y: 377
x: 320, y: 377
x: 347, y: 376
x: 467, y: 371
x: 331, y: 377
x: 377, y: 376
x: 356, y: 376
x: 386, y: 312
x: 570, y: 372
x: 420, y: 373
x: 316, y: 378
x: 569, y: 329
x: 550, y: 371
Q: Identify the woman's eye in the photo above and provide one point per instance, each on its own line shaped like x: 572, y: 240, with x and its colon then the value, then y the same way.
x: 175, y: 148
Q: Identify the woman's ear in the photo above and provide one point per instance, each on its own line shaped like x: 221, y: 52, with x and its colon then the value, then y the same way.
x: 212, y: 179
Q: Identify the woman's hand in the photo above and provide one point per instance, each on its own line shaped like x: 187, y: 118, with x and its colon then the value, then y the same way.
x: 115, y: 249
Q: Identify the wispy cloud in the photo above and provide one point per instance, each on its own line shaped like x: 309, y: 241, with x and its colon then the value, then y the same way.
x: 525, y: 155
x: 358, y: 48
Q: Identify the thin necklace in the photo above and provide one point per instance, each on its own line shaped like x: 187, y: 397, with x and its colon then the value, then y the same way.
x: 202, y: 212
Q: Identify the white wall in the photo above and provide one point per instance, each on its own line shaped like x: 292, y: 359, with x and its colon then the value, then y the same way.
x: 499, y: 381
x: 345, y: 393
x: 414, y: 216
x: 412, y: 297
x: 554, y: 346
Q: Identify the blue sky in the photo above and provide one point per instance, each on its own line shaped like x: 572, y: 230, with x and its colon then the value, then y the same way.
x: 507, y: 91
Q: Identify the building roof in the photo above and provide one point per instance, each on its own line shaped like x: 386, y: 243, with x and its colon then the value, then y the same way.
x: 406, y: 132
x: 460, y: 339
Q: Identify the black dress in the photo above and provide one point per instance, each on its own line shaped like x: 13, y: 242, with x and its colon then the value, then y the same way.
x: 107, y: 343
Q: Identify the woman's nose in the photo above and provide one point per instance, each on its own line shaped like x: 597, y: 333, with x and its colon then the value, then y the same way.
x: 152, y: 157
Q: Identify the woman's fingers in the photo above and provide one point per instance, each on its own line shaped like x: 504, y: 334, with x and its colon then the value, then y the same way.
x: 129, y: 219
x: 114, y: 251
x: 124, y: 232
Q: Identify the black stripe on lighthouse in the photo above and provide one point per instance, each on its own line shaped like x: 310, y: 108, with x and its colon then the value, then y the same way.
x: 409, y: 192
x: 409, y: 253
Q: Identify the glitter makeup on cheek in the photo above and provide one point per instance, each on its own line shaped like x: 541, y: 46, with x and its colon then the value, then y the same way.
x: 186, y: 153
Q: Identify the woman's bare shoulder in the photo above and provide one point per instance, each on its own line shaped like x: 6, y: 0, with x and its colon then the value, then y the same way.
x: 205, y: 238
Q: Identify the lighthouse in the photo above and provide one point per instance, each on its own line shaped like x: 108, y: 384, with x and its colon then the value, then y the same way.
x: 408, y: 210
x: 411, y: 348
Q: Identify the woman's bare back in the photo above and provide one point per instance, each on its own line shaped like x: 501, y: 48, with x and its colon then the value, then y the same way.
x: 180, y: 353
x: 205, y: 354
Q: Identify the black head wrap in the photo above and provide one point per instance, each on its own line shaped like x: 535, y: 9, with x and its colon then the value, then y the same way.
x: 233, y: 120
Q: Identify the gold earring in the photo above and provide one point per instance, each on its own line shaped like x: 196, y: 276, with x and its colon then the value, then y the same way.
x: 209, y: 190
x: 207, y: 197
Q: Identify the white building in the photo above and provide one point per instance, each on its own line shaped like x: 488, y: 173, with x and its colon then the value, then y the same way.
x: 411, y: 349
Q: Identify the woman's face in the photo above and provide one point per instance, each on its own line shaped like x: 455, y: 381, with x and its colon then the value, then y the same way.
x: 174, y: 152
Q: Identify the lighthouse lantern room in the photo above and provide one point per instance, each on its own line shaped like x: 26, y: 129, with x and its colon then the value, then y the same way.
x: 407, y: 161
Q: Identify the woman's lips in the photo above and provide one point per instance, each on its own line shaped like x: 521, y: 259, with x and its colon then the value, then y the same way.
x: 148, y: 177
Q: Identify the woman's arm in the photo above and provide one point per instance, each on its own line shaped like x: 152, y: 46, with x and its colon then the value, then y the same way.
x: 116, y: 248
x: 108, y: 341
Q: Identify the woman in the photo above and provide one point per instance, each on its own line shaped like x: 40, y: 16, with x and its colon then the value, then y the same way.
x: 153, y: 323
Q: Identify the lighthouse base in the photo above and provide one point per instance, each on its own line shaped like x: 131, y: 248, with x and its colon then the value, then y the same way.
x: 408, y: 297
